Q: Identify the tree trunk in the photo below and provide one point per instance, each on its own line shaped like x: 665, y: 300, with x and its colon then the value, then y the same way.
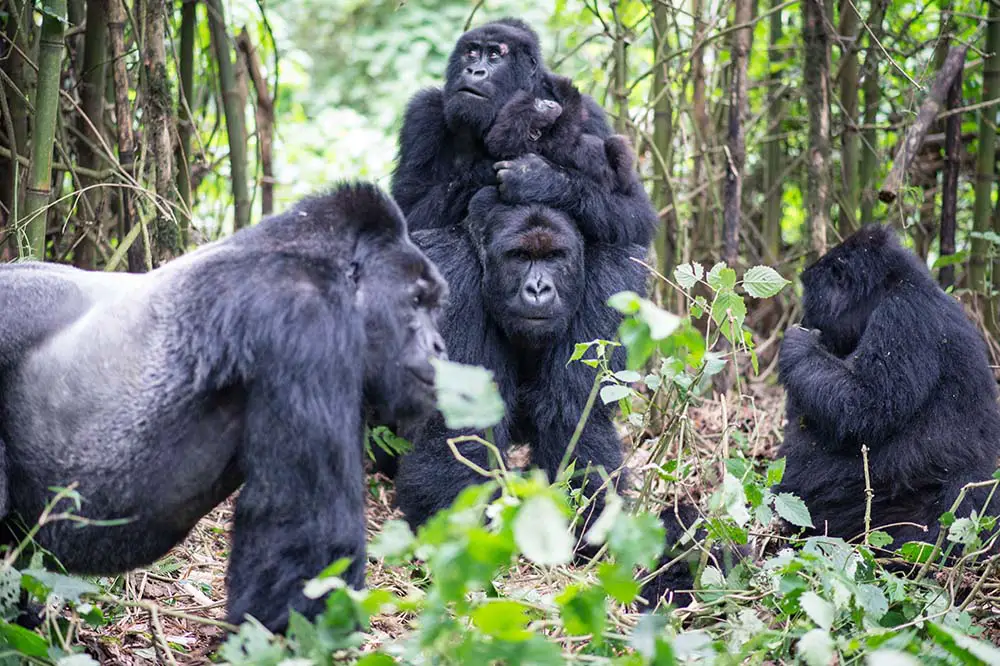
x: 157, y: 105
x: 50, y: 59
x: 735, y: 138
x: 91, y: 124
x: 620, y: 57
x: 869, y: 148
x: 929, y: 110
x: 185, y: 124
x: 949, y: 185
x: 701, y: 235
x: 235, y: 122
x: 817, y: 89
x: 264, y: 115
x: 666, y: 238
x: 986, y: 161
x: 18, y: 88
x: 847, y: 220
x: 123, y: 122
x: 773, y: 186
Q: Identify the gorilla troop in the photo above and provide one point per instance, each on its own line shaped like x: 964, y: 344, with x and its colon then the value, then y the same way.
x: 531, y: 287
x: 884, y: 359
x: 249, y: 361
x: 444, y: 159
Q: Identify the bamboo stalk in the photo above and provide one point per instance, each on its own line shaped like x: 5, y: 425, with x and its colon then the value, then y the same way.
x: 50, y: 57
x: 235, y: 122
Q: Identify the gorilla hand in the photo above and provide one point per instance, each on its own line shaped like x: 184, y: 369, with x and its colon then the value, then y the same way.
x: 531, y: 179
x: 798, y: 345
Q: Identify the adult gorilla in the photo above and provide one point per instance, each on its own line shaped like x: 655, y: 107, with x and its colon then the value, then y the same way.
x: 531, y: 287
x: 443, y: 161
x: 884, y: 359
x: 249, y: 361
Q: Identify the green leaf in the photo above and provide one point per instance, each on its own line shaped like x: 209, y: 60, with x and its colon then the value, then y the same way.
x: 887, y: 657
x: 916, y: 552
x: 614, y: 392
x: 879, y: 539
x: 77, y: 660
x: 963, y: 531
x: 816, y: 648
x: 627, y: 376
x: 734, y: 500
x: 579, y: 350
x: 599, y: 529
x: 67, y: 587
x: 618, y: 581
x: 25, y: 642
x: 687, y: 275
x: 792, y: 509
x: 626, y: 302
x: 393, y: 541
x: 775, y: 472
x: 818, y: 609
x: 712, y: 578
x: 375, y: 659
x: 872, y: 600
x: 467, y: 395
x: 721, y: 277
x: 583, y: 611
x: 661, y: 323
x: 507, y: 620
x: 968, y: 649
x: 541, y: 531
x: 637, y: 539
x: 763, y: 282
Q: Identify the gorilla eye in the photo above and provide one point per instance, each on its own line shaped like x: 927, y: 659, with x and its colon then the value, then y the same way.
x: 472, y: 54
x: 520, y: 255
x: 494, y: 54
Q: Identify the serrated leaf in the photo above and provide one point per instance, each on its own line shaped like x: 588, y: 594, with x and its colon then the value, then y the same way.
x: 763, y: 282
x: 599, y: 529
x: 583, y: 610
x: 467, y: 396
x: 775, y: 472
x: 816, y: 648
x: 627, y: 376
x: 69, y: 588
x: 962, y: 531
x: 25, y: 642
x: 636, y: 539
x: 887, y: 657
x: 916, y: 552
x: 541, y: 532
x: 872, y: 600
x: 712, y: 578
x: 618, y: 581
x: 734, y: 500
x: 579, y: 349
x: 370, y: 659
x: 715, y: 276
x: 504, y: 619
x: 614, y: 392
x: 687, y: 275
x: 792, y: 509
x: 819, y: 610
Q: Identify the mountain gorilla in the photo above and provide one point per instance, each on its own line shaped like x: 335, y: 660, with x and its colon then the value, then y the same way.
x: 443, y: 161
x: 529, y: 288
x: 249, y: 361
x: 886, y: 359
x: 554, y: 131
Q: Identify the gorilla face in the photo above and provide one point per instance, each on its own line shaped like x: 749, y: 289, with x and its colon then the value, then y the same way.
x: 843, y: 287
x: 533, y: 267
x: 489, y: 64
x: 401, y: 330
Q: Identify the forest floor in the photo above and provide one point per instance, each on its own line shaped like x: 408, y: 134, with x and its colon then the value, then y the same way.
x: 191, y: 579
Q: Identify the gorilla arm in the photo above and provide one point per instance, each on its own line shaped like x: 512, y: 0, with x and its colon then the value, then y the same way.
x: 302, y: 505
x: 878, y: 388
x: 429, y: 186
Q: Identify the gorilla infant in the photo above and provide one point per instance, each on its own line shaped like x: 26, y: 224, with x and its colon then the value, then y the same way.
x: 884, y: 359
x: 249, y: 361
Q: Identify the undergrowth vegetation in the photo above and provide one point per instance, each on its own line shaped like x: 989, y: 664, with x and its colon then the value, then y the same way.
x: 494, y: 579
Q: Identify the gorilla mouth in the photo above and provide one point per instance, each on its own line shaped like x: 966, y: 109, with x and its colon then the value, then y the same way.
x: 425, y: 378
x: 472, y: 92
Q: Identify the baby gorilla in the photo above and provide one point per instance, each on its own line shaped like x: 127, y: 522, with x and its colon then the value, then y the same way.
x: 527, y: 124
x: 248, y: 361
x: 884, y: 359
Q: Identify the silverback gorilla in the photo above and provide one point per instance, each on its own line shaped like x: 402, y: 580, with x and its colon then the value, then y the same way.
x: 530, y: 287
x: 883, y: 359
x: 443, y: 160
x: 249, y: 361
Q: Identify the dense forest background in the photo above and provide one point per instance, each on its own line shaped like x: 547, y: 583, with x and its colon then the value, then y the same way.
x: 766, y: 131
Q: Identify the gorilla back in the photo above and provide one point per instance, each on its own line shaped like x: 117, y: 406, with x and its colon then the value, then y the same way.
x: 249, y: 361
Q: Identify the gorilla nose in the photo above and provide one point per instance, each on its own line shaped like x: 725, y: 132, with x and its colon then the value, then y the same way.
x: 538, y: 293
x: 475, y: 73
x: 438, y: 347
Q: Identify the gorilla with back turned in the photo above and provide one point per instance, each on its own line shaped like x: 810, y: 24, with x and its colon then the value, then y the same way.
x: 529, y: 287
x: 249, y: 361
x: 443, y: 160
x: 884, y: 359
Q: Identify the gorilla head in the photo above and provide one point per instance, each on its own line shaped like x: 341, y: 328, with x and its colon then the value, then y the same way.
x: 533, y: 266
x: 489, y: 64
x: 841, y: 289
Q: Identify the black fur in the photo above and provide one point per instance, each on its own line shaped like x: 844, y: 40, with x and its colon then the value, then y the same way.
x: 443, y: 160
x: 554, y: 131
x: 486, y: 265
x: 249, y: 361
x: 884, y: 358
